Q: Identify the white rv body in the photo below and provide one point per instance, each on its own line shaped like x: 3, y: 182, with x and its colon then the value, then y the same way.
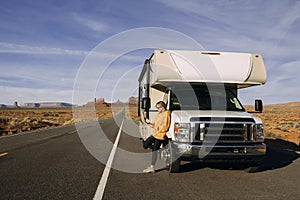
x: 181, y: 78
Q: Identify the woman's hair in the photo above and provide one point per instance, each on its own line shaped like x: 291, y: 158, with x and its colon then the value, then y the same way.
x: 162, y: 104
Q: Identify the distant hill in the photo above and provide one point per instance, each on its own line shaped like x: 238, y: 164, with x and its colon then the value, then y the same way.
x: 47, y: 105
x: 291, y: 104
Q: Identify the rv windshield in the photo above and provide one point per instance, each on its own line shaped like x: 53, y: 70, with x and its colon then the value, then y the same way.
x: 203, y: 98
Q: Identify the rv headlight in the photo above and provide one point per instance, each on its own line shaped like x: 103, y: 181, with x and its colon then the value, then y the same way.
x: 260, y: 132
x: 182, y: 132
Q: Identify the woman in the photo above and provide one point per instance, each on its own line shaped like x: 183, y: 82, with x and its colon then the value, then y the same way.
x: 160, y: 128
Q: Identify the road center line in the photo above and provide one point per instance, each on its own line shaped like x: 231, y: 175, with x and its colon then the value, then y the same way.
x: 101, y: 187
x: 71, y: 132
x: 3, y: 154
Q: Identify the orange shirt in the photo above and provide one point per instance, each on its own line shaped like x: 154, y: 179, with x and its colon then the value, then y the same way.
x: 161, y: 125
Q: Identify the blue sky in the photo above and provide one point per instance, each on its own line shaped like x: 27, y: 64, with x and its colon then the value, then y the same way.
x: 44, y: 43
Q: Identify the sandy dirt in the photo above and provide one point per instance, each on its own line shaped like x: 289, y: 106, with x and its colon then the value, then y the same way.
x: 17, y: 120
x: 281, y: 121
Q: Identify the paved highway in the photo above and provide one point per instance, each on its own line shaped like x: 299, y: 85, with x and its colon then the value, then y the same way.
x: 54, y: 164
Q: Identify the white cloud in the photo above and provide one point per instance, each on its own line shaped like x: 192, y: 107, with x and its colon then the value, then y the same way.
x: 24, y: 95
x: 270, y: 28
x: 92, y: 24
x: 26, y: 49
x: 241, y: 26
x: 267, y: 27
x: 286, y: 21
x: 288, y: 74
x: 26, y: 82
x: 112, y: 82
x: 282, y: 86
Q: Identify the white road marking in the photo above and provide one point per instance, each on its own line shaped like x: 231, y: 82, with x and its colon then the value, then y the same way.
x: 3, y: 154
x: 101, y: 187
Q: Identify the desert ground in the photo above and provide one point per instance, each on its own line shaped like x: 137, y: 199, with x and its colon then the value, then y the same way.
x: 282, y: 121
x: 17, y: 120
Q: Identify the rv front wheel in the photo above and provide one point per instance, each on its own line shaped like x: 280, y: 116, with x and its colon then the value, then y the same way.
x: 174, y: 163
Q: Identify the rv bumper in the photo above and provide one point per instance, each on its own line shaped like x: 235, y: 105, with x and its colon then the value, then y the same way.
x: 253, y: 153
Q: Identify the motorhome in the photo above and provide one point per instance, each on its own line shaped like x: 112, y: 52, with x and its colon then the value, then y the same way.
x: 208, y: 121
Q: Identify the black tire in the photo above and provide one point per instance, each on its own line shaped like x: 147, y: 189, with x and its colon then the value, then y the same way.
x: 174, y: 166
x: 174, y: 162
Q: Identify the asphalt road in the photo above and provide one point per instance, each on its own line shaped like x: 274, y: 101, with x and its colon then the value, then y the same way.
x: 54, y: 164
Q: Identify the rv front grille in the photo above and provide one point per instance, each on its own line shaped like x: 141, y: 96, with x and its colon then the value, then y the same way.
x: 226, y: 130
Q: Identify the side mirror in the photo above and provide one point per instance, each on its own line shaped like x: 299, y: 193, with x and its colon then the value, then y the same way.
x: 258, y: 105
x: 146, y: 103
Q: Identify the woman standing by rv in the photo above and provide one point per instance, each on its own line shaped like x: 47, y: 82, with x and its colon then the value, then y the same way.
x: 160, y: 128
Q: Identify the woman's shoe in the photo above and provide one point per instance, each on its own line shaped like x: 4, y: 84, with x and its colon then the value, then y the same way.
x: 149, y: 170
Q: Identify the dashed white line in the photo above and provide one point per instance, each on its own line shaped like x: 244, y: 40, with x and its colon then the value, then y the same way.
x: 102, y: 184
